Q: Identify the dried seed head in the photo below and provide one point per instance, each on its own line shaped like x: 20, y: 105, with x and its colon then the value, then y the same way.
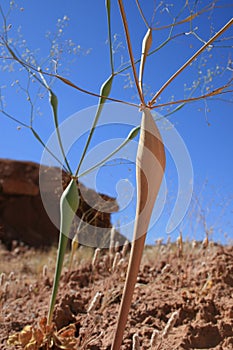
x: 154, y: 339
x: 205, y: 242
x: 159, y: 242
x: 98, y: 320
x: 194, y: 244
x: 11, y: 276
x: 45, y: 271
x: 136, y: 342
x: 95, y: 302
x: 117, y: 246
x: 116, y: 260
x: 96, y: 257
x: 179, y: 243
x: 121, y: 263
x: 112, y: 241
x: 106, y: 262
x: 6, y: 287
x: 166, y: 268
x: 170, y: 324
x: 2, y: 278
x: 125, y: 248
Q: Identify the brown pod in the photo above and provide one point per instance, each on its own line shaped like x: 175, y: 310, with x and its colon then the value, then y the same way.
x: 150, y: 167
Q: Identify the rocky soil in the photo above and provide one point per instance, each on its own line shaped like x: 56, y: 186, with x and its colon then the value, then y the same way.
x: 193, y: 286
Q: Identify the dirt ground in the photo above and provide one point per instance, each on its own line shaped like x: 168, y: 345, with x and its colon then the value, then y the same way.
x: 196, y: 283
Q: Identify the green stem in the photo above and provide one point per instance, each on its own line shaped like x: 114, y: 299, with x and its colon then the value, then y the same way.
x: 133, y: 133
x: 54, y: 105
x: 104, y: 92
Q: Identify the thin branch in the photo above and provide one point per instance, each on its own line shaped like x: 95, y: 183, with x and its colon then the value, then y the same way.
x: 36, y: 135
x: 142, y: 14
x: 193, y: 99
x: 123, y: 15
x: 68, y: 82
x: 108, y: 7
x: 187, y: 19
x: 187, y: 63
x: 64, y: 80
x: 14, y: 119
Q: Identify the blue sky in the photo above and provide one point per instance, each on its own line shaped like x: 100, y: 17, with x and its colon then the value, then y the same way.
x: 205, y: 126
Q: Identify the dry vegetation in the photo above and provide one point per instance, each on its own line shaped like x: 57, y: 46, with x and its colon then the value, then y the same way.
x: 182, y: 300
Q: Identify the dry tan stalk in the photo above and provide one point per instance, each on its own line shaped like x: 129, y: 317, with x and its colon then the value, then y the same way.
x: 150, y: 167
x: 95, y: 259
x: 154, y: 339
x: 179, y: 243
x: 194, y: 244
x: 117, y: 246
x: 116, y: 260
x: 120, y: 265
x: 112, y: 240
x: 170, y: 324
x: 95, y: 302
x: 166, y: 268
x: 205, y: 242
x: 6, y: 287
x: 107, y: 262
x: 125, y: 249
x: 45, y: 271
x: 136, y: 342
x: 123, y: 15
x: 2, y: 278
x: 11, y: 276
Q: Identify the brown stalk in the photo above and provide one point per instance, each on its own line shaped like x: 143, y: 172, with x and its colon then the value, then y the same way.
x: 215, y: 92
x: 187, y: 19
x: 123, y: 15
x: 187, y: 63
x: 150, y: 165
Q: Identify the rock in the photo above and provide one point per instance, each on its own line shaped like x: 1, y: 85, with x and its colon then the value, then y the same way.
x: 24, y: 218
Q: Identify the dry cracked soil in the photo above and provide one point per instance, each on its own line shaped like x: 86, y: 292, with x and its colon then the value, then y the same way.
x: 195, y: 283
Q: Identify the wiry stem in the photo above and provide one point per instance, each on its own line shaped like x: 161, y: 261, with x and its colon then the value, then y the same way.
x: 123, y: 15
x: 187, y: 63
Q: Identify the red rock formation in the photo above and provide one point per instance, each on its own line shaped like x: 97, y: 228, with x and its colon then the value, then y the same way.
x: 22, y: 213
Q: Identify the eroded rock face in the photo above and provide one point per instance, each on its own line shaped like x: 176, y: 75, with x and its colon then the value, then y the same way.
x: 22, y: 213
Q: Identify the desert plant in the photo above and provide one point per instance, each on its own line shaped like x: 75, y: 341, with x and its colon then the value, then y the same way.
x: 150, y: 162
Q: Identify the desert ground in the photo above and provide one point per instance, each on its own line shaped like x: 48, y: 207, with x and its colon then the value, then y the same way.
x: 183, y: 298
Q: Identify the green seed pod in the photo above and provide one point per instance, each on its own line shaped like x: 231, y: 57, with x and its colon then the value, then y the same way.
x: 146, y: 45
x: 133, y: 133
x: 53, y: 100
x: 106, y: 88
x: 69, y: 203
